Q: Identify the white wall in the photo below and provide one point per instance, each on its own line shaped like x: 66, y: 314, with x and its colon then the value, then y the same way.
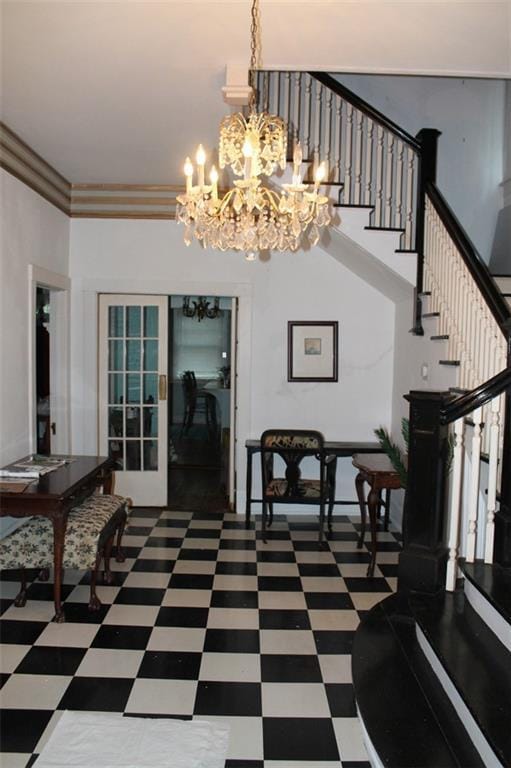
x: 149, y: 256
x: 32, y: 232
x: 471, y: 116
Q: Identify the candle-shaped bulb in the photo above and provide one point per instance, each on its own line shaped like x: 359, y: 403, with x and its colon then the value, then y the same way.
x: 297, y: 162
x: 213, y: 176
x: 188, y: 169
x: 201, y: 159
x: 247, y: 148
x: 320, y: 174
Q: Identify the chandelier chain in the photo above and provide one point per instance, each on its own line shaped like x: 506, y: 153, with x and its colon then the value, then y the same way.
x: 255, y: 49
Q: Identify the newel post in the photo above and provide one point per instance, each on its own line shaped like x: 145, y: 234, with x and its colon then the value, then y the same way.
x: 502, y: 548
x: 422, y: 562
x: 428, y: 139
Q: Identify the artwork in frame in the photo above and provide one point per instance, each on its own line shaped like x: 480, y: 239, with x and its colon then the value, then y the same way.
x: 312, y: 350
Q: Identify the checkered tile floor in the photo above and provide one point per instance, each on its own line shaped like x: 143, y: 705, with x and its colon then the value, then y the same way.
x: 204, y: 620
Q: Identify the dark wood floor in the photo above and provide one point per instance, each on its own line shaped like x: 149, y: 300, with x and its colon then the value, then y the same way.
x: 197, y: 470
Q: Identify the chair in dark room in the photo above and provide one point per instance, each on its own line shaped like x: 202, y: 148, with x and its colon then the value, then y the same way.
x: 292, y: 446
x: 197, y: 402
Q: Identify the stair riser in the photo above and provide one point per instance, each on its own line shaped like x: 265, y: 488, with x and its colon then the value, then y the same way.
x: 493, y: 620
x: 473, y: 731
x: 504, y: 284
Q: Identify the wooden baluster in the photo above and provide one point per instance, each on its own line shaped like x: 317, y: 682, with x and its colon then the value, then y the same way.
x: 359, y: 150
x: 398, y: 220
x: 473, y: 487
x: 338, y: 143
x: 389, y: 179
x: 491, y: 509
x: 306, y: 136
x: 296, y: 110
x: 327, y: 123
x: 410, y: 198
x: 369, y: 162
x: 266, y: 92
x: 317, y: 127
x: 286, y: 110
x: 455, y: 506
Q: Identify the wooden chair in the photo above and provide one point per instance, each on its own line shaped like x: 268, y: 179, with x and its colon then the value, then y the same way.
x: 90, y: 532
x: 292, y: 446
x: 197, y: 401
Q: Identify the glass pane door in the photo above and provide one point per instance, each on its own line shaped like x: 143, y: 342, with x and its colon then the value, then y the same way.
x: 133, y: 398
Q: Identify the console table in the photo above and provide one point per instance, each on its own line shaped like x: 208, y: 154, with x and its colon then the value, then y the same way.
x: 332, y: 448
x: 52, y: 496
x: 378, y: 472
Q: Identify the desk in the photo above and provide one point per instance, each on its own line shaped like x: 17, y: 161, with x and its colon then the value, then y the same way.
x: 335, y: 448
x: 378, y: 472
x: 52, y: 496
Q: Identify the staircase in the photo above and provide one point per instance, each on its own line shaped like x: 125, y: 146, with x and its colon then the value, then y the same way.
x: 431, y: 664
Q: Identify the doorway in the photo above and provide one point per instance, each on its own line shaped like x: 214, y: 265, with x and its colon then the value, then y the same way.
x: 201, y: 412
x: 42, y: 342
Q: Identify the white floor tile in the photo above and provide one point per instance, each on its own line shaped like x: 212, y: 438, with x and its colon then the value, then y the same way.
x: 72, y: 635
x: 176, y: 515
x: 132, y: 615
x: 81, y: 594
x: 314, y: 557
x: 33, y: 691
x: 294, y: 700
x: 195, y: 566
x: 200, y: 544
x: 162, y: 697
x: 191, y: 598
x: 237, y: 555
x: 364, y: 601
x: 282, y: 600
x: 212, y: 525
x: 356, y: 570
x: 34, y: 610
x: 323, y: 584
x: 106, y: 662
x: 14, y: 759
x: 11, y: 655
x: 147, y: 580
x: 235, y: 583
x: 292, y: 641
x: 233, y: 618
x: 158, y: 553
x: 350, y: 743
x: 177, y: 639
x: 231, y: 667
x: 342, y: 620
x: 335, y: 668
x: 277, y: 569
x: 245, y: 737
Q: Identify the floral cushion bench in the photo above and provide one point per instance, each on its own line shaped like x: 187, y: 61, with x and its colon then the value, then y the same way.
x: 90, y: 532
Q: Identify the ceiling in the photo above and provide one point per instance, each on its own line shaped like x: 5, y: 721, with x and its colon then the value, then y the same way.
x: 123, y: 91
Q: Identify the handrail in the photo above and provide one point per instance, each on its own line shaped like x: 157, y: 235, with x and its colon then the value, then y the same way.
x: 465, y: 404
x: 478, y: 269
x: 363, y: 106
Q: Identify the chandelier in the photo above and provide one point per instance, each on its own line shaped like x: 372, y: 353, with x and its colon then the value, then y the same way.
x: 201, y: 308
x: 250, y: 217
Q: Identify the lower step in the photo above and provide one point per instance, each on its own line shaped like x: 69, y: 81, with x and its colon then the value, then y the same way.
x: 408, y: 719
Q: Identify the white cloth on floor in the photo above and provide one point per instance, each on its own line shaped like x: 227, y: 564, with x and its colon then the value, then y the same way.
x: 104, y: 740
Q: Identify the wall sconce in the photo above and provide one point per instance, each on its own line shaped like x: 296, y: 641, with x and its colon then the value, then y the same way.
x: 201, y: 308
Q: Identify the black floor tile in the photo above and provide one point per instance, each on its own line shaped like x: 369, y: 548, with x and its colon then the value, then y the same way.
x: 232, y: 641
x: 234, y: 599
x: 273, y: 535
x: 269, y: 556
x: 5, y: 604
x: 238, y: 699
x: 328, y: 601
x: 168, y: 665
x: 146, y: 512
x: 118, y: 579
x: 203, y: 533
x: 208, y: 515
x: 197, y: 554
x: 182, y: 617
x: 46, y: 660
x: 139, y: 596
x: 148, y: 565
x: 97, y: 694
x: 21, y: 632
x: 22, y: 728
x: 224, y: 568
x: 79, y: 613
x: 127, y: 638
x: 299, y: 738
x: 290, y: 668
x: 242, y: 544
x: 235, y: 525
x: 172, y: 523
x: 279, y: 584
x: 341, y: 699
x: 274, y: 619
x: 333, y: 642
x: 388, y: 570
x: 137, y: 530
x: 244, y: 764
x: 310, y: 546
x: 4, y: 676
x: 130, y: 552
x: 191, y: 581
x: 343, y: 536
x: 44, y: 591
x: 163, y: 541
x: 319, y: 569
x: 389, y: 546
x: 367, y: 585
x: 360, y: 556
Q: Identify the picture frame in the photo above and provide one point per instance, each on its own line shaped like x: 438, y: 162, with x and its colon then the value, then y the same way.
x: 312, y: 350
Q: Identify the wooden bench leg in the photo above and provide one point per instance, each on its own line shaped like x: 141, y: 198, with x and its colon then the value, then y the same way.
x: 119, y: 555
x: 107, y: 552
x: 44, y: 574
x: 21, y: 597
x: 94, y: 601
x: 359, y: 485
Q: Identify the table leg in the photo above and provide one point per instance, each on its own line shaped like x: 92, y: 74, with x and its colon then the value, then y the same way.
x: 373, y: 501
x: 248, y: 489
x: 387, y: 510
x: 359, y: 485
x: 59, y: 532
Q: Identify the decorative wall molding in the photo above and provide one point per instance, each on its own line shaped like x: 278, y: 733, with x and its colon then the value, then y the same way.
x: 85, y: 201
x: 21, y: 161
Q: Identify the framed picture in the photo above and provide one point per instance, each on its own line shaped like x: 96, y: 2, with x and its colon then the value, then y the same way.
x: 312, y: 351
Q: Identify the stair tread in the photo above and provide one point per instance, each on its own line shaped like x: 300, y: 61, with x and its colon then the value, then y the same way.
x: 494, y: 582
x: 440, y: 337
x: 431, y: 314
x: 386, y: 229
x: 454, y: 363
x: 391, y: 676
x: 477, y: 663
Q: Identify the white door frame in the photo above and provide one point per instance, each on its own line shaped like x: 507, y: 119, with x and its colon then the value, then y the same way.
x: 86, y: 376
x: 60, y: 395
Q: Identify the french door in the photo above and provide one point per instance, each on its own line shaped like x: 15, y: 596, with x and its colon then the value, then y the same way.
x: 133, y: 393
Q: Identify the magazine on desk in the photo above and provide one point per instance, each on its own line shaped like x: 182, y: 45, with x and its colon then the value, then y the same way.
x: 34, y: 467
